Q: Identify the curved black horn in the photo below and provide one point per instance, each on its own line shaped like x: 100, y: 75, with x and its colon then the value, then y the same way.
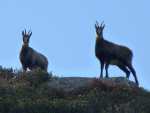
x: 102, y: 24
x: 30, y: 33
x: 96, y: 24
x: 25, y: 32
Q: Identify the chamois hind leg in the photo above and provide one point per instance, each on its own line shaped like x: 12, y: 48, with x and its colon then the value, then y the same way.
x: 102, y: 67
x: 133, y: 72
x: 106, y: 69
x: 125, y: 69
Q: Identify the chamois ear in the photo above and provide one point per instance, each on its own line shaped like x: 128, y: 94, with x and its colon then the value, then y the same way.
x: 95, y: 26
x: 22, y: 33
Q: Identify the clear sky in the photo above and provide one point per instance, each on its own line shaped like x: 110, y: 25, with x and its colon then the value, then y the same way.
x: 63, y: 30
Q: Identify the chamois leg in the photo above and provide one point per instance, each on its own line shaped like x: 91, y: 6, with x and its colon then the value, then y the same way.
x: 124, y: 68
x: 102, y: 67
x: 24, y: 68
x: 134, y: 73
x: 106, y: 69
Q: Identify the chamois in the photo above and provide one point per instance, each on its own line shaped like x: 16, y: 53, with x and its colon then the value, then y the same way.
x: 30, y: 58
x: 110, y: 53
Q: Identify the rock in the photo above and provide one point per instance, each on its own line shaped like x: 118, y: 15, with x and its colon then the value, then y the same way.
x: 115, y: 81
x: 71, y: 84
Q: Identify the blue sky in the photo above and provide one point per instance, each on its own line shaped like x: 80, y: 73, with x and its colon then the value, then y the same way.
x: 63, y: 30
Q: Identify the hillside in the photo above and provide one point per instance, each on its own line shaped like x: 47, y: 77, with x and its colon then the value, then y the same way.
x: 40, y: 92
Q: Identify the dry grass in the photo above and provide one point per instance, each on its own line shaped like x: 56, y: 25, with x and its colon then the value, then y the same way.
x: 37, y: 92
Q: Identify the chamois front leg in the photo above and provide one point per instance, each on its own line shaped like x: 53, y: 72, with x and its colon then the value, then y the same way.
x: 106, y: 69
x: 102, y: 67
x: 24, y: 68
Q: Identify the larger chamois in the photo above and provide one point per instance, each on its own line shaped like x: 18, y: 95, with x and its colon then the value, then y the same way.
x: 111, y: 53
x: 30, y: 58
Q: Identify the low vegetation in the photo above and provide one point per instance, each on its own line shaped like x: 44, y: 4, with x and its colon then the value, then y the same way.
x: 30, y: 93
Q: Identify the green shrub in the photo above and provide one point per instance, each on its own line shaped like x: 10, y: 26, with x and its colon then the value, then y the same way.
x: 28, y: 92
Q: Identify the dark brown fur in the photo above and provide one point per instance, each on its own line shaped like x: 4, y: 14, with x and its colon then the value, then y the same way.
x: 114, y: 54
x: 30, y: 58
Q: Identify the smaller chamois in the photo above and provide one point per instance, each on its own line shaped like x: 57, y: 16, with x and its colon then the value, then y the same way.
x: 114, y: 54
x: 30, y: 58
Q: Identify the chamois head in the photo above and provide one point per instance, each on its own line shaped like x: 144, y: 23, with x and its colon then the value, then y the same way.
x: 99, y: 29
x: 26, y: 37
